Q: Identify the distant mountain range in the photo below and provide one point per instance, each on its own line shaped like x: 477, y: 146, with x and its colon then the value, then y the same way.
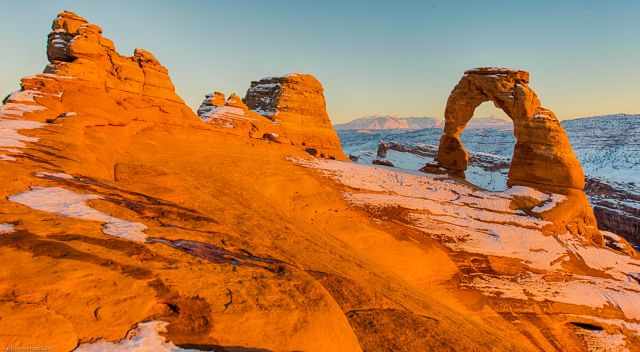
x: 388, y: 122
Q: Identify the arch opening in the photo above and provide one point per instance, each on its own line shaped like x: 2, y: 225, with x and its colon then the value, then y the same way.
x: 489, y: 139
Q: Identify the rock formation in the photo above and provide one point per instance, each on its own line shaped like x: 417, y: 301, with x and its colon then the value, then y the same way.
x: 615, y: 208
x: 296, y: 101
x: 128, y: 223
x: 291, y: 108
x: 210, y: 103
x: 82, y: 63
x: 542, y: 158
x: 97, y: 127
x: 234, y: 115
x: 77, y: 48
x: 294, y: 97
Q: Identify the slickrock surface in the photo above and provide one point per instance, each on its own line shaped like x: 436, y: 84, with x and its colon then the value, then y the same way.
x: 542, y: 157
x: 127, y: 222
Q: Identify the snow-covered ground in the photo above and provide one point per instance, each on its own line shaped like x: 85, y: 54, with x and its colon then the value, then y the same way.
x: 145, y: 337
x: 467, y: 220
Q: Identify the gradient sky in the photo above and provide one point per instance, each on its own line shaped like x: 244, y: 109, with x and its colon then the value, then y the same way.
x: 387, y: 57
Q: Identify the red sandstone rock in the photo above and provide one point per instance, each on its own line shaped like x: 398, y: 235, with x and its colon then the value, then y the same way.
x: 76, y: 48
x: 291, y: 107
x: 297, y: 102
x: 543, y: 156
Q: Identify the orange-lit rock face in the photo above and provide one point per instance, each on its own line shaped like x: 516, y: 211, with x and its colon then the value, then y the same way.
x: 294, y: 97
x: 76, y: 48
x: 297, y: 102
x: 542, y: 157
x: 289, y: 109
x: 127, y: 222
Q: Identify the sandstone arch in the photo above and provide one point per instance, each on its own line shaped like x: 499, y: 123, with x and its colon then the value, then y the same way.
x: 542, y: 156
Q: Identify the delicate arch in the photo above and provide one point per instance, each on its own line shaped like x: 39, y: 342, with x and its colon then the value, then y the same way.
x: 542, y: 156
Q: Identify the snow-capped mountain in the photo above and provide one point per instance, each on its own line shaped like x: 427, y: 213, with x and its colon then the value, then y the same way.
x: 384, y: 122
x: 608, y: 148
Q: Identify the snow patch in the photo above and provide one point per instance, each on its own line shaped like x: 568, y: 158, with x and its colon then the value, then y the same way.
x: 603, y: 341
x: 18, y: 109
x: 6, y: 228
x: 61, y: 175
x: 528, y: 192
x: 67, y: 203
x: 10, y: 138
x: 144, y: 337
x: 581, y: 290
x: 550, y: 203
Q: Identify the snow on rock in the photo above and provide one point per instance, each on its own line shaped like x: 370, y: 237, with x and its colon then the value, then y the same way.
x: 15, y: 106
x: 469, y: 220
x: 145, y: 337
x: 6, y: 228
x: 603, y: 341
x: 29, y: 96
x: 61, y: 175
x: 581, y: 290
x: 17, y: 110
x: 522, y: 191
x: 67, y: 203
x: 224, y: 112
x: 10, y: 138
x: 550, y: 203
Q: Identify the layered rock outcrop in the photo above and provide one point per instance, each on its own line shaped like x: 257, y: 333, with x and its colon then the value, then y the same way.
x: 542, y: 158
x: 292, y: 107
x: 77, y: 48
x: 233, y: 114
x: 210, y: 103
x: 295, y: 97
x: 296, y: 101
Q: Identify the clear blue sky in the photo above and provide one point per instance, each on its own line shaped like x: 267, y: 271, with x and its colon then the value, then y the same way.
x: 386, y: 57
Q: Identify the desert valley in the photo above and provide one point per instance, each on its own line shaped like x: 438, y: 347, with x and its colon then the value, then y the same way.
x: 130, y: 221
